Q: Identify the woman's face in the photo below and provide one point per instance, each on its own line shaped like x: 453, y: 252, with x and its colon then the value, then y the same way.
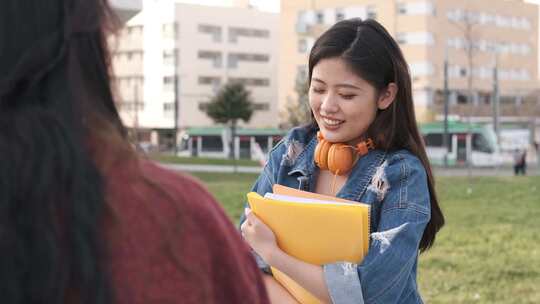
x: 344, y: 104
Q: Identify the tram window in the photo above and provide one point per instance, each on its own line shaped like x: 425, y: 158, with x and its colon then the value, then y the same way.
x: 479, y: 143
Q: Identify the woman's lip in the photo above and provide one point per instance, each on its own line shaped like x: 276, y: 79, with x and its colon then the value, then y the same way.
x: 331, y: 127
x: 332, y: 122
x: 331, y: 118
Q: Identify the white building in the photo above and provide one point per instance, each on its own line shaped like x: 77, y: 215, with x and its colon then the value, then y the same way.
x: 198, y: 48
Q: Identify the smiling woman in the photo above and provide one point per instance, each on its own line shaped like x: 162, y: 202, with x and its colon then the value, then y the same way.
x: 363, y: 116
x: 344, y: 104
x: 83, y: 218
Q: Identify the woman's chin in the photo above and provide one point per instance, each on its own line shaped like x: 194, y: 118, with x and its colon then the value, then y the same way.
x: 333, y: 136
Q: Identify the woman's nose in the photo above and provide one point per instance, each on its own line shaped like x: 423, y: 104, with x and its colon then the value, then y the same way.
x: 329, y: 104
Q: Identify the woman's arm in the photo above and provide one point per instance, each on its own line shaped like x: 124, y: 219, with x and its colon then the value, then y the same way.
x: 263, y: 241
x: 276, y: 292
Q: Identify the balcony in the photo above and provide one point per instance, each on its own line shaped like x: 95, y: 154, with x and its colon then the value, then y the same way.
x: 126, y: 9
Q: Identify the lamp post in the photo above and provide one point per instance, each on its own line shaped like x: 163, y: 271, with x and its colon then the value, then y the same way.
x: 176, y: 101
x: 446, y: 101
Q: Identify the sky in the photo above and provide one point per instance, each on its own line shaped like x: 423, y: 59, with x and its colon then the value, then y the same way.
x: 266, y: 5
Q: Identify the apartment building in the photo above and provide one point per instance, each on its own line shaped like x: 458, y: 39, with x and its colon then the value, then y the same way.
x: 502, y: 33
x: 172, y: 58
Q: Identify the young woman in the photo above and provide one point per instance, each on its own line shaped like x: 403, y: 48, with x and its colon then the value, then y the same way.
x: 360, y: 96
x: 83, y: 219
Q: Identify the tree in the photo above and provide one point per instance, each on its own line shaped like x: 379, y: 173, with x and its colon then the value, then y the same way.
x: 297, y: 111
x: 466, y: 24
x: 232, y: 103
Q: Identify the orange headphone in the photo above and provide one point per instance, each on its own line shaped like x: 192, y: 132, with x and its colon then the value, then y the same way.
x: 339, y: 158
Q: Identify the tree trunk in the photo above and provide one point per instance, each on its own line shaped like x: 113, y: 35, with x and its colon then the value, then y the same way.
x: 233, y: 137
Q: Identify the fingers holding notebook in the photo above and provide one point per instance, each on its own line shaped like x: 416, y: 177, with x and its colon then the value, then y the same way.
x: 258, y: 235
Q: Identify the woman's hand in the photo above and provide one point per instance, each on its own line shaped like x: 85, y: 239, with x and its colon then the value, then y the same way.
x: 259, y: 236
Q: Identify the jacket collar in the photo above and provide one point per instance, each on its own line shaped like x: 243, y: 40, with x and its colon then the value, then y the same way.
x: 359, y: 178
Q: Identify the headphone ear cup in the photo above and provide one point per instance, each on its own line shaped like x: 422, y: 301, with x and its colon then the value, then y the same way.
x: 321, y: 154
x: 340, y: 159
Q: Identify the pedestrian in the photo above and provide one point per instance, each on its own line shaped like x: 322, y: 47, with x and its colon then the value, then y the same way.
x: 361, y: 101
x: 519, y: 162
x: 83, y: 218
x: 524, y: 162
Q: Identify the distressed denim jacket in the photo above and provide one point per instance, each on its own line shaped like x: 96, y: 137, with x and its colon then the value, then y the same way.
x: 395, y: 185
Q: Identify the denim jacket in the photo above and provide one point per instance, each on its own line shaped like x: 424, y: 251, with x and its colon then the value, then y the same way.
x: 395, y: 185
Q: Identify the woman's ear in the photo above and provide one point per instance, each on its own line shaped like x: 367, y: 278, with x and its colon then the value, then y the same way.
x: 388, y: 96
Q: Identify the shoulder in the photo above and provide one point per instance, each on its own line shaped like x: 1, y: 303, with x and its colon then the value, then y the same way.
x: 168, y: 228
x: 404, y: 164
x: 407, y: 181
x: 296, y: 136
x: 165, y: 203
x: 292, y: 144
x: 189, y: 196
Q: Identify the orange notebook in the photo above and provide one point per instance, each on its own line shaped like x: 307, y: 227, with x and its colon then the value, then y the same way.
x: 314, y: 228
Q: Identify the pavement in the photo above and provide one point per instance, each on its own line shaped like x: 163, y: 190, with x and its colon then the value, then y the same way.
x: 212, y: 168
x: 438, y: 171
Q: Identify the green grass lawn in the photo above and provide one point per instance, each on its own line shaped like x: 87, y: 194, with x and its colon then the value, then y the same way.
x: 488, y: 252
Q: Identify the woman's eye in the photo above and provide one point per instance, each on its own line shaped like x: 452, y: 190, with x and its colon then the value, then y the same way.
x: 347, y: 96
x: 318, y: 91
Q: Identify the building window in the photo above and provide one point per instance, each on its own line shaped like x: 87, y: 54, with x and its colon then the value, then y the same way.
x: 235, y: 32
x: 301, y: 73
x: 130, y: 106
x: 128, y: 55
x: 402, y: 8
x: 302, y: 45
x: 168, y: 106
x: 212, y: 55
x: 319, y: 17
x: 304, y: 21
x: 401, y: 38
x: 213, y: 30
x: 340, y: 14
x: 461, y: 98
x: 256, y: 82
x: 209, y: 80
x: 261, y: 106
x: 421, y: 69
x: 525, y: 24
x: 203, y: 106
x: 134, y: 30
x: 169, y: 30
x: 169, y: 57
x: 422, y: 38
x: 168, y: 83
x: 371, y: 12
x: 234, y: 58
x: 416, y: 8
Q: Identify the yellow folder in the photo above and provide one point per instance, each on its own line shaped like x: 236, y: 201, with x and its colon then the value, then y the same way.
x: 314, y: 228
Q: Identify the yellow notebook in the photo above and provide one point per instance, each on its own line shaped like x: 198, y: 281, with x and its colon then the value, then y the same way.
x: 313, y: 228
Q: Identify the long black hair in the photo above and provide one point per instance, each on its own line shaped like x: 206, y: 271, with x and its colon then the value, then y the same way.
x: 55, y: 95
x: 370, y: 51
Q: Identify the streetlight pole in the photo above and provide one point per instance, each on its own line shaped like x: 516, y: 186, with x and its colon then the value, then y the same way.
x: 446, y: 101
x: 176, y: 101
x: 495, y: 99
x: 136, y: 109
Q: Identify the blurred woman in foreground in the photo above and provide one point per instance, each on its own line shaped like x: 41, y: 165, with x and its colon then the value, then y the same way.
x: 83, y: 219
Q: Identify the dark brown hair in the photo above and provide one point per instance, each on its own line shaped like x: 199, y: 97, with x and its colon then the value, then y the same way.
x: 55, y: 98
